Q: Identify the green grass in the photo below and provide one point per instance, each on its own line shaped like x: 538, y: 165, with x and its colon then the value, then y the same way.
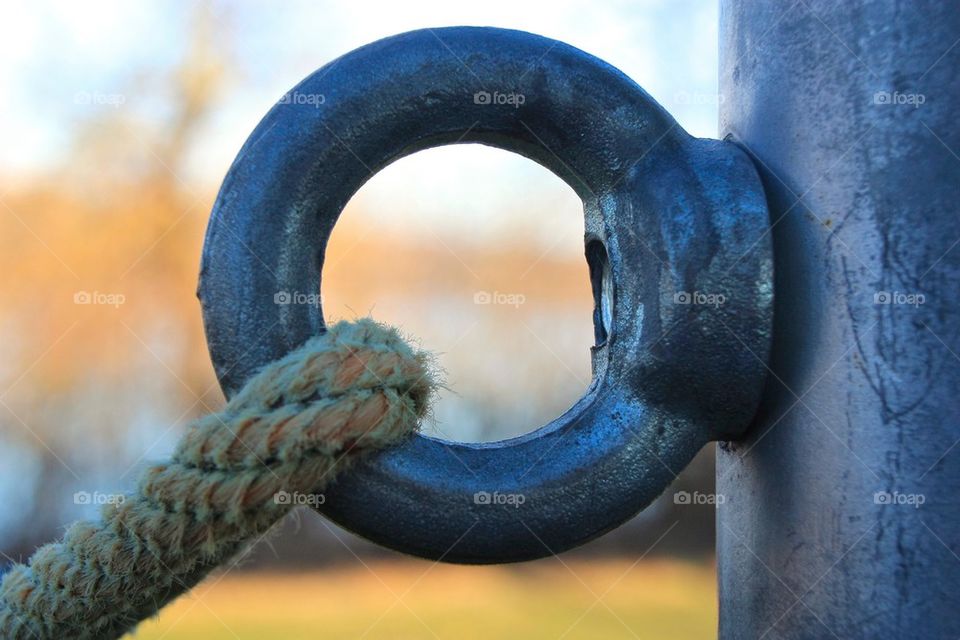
x: 658, y: 599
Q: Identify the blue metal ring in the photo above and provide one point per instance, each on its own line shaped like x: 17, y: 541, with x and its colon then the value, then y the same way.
x: 677, y: 243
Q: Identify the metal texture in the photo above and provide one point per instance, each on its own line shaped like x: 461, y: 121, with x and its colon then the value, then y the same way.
x: 842, y: 513
x: 670, y: 221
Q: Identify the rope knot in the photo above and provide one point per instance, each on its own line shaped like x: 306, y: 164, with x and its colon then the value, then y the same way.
x: 295, y: 425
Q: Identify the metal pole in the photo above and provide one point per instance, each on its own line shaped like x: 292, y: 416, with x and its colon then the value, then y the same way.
x: 842, y: 516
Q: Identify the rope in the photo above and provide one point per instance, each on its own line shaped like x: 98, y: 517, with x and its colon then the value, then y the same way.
x: 292, y: 428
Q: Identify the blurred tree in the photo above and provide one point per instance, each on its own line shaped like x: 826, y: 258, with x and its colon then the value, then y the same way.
x: 104, y: 358
x: 101, y: 263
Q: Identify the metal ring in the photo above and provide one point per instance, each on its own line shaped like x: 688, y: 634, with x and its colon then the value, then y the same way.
x: 677, y: 245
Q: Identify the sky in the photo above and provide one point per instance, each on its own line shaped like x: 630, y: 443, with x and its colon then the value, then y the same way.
x: 63, y: 60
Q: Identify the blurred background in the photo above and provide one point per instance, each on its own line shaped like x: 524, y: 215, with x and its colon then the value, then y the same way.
x: 120, y: 120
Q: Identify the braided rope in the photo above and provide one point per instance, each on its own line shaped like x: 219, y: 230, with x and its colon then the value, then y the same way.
x: 292, y: 428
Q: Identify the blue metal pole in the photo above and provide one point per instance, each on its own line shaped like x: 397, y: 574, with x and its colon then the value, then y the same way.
x: 842, y: 516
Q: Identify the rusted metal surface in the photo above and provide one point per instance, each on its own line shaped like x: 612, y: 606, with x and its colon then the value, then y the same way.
x: 842, y: 511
